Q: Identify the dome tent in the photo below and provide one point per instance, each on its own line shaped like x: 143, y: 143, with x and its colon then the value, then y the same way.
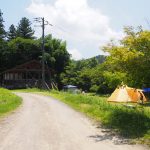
x: 127, y: 94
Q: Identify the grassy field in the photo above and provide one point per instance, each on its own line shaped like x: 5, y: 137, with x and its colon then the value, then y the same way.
x: 133, y: 122
x: 8, y: 101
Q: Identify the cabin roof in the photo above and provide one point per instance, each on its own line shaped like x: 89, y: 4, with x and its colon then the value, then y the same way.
x: 32, y: 65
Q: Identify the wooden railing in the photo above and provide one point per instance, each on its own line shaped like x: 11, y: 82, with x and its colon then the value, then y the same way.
x: 24, y: 83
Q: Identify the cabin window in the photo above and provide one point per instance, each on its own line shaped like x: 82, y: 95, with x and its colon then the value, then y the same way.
x: 10, y: 76
x: 16, y: 76
x: 20, y: 76
x: 5, y: 76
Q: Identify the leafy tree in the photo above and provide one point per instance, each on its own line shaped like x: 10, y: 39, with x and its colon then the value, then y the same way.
x: 12, y: 33
x: 21, y: 50
x: 131, y: 57
x: 70, y: 75
x: 56, y: 56
x: 3, y: 55
x: 3, y: 43
x: 2, y: 31
x: 113, y: 79
x: 83, y: 73
x: 128, y: 61
x: 24, y: 29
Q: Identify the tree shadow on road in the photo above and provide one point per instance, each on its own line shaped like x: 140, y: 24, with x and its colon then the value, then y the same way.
x: 115, y: 140
x: 109, y: 135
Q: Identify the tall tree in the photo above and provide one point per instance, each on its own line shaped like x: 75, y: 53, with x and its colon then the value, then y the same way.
x: 56, y: 56
x: 3, y: 43
x: 12, y: 33
x: 131, y: 59
x: 24, y: 29
x: 22, y: 50
x: 2, y: 31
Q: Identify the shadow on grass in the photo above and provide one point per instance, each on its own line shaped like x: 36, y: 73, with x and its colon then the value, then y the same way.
x: 130, y: 123
x: 124, y: 125
x: 146, y: 104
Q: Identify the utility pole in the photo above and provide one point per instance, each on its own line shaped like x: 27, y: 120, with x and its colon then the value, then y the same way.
x: 43, y: 52
x: 43, y: 23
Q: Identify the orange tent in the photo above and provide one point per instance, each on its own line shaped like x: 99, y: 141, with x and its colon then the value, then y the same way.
x: 127, y: 94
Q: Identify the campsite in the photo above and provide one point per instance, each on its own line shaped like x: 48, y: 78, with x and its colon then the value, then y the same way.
x: 127, y: 119
x: 74, y: 75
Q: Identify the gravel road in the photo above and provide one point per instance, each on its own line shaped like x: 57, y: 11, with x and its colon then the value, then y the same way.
x: 43, y: 123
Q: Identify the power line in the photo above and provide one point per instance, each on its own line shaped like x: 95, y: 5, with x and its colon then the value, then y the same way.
x: 58, y: 27
x: 70, y: 34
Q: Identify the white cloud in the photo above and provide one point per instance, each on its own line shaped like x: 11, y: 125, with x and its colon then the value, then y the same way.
x: 76, y: 22
x: 76, y: 55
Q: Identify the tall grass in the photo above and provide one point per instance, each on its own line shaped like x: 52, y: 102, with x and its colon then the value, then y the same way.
x: 129, y: 122
x: 8, y: 101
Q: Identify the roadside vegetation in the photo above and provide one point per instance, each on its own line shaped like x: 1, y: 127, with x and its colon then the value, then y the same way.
x: 8, y: 101
x: 133, y: 123
x: 128, y: 62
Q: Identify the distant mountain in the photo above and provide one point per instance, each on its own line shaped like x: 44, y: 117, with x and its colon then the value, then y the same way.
x: 90, y: 62
x: 100, y: 58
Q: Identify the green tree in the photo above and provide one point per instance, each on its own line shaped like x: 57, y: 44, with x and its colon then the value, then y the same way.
x: 131, y: 57
x: 128, y: 61
x: 3, y: 55
x: 2, y: 31
x: 3, y: 43
x: 56, y: 56
x: 22, y: 50
x: 24, y: 29
x: 12, y: 33
x: 83, y: 73
x: 70, y: 75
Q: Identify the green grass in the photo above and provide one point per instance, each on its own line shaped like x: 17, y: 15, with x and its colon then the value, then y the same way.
x: 8, y: 101
x: 133, y: 123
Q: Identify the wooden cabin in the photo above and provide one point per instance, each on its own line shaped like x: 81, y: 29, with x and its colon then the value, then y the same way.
x: 25, y: 75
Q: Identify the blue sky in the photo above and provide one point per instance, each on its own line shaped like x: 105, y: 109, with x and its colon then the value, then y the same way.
x: 86, y: 25
x: 124, y: 12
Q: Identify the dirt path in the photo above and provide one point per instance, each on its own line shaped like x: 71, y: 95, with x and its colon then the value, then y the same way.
x: 43, y: 123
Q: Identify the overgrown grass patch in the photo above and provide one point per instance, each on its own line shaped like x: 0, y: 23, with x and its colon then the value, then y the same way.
x: 129, y: 122
x: 8, y: 101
